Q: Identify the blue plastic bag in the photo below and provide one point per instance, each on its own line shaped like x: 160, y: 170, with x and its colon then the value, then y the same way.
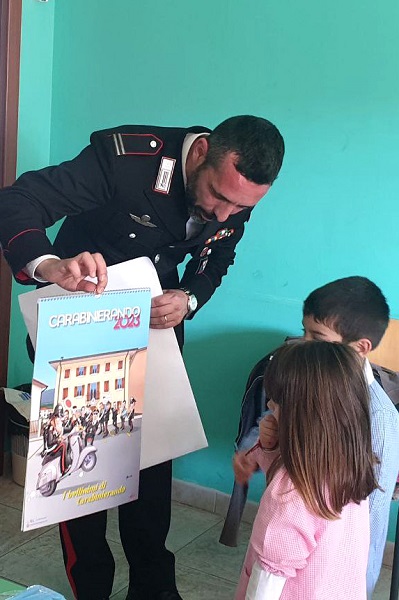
x: 37, y: 592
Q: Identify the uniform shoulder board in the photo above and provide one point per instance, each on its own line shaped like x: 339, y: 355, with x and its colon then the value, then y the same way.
x: 139, y: 144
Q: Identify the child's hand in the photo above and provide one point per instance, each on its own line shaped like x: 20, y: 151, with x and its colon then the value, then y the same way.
x: 243, y: 467
x: 268, y: 432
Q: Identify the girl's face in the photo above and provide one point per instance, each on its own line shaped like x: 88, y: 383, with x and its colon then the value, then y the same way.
x: 275, y: 409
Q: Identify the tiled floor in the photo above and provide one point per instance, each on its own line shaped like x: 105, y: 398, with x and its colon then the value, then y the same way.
x: 205, y: 569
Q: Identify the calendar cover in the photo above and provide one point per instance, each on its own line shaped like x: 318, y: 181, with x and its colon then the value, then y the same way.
x: 86, y: 405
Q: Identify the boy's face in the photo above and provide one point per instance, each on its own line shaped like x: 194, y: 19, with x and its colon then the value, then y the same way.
x: 318, y: 331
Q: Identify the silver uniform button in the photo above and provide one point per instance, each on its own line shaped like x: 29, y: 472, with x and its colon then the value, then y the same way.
x: 132, y: 235
x: 153, y: 144
x: 157, y: 258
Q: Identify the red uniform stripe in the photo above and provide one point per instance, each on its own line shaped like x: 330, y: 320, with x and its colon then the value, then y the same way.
x: 22, y: 233
x: 71, y: 556
x: 22, y: 276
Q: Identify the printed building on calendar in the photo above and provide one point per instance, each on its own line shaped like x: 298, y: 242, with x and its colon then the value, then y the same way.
x: 86, y: 380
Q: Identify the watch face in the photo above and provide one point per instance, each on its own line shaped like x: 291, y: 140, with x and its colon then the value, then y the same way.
x: 192, y: 302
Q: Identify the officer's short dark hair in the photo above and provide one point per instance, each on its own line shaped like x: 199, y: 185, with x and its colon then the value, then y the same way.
x: 354, y: 307
x: 257, y: 142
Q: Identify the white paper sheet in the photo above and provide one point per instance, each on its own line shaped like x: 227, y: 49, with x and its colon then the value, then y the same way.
x: 171, y: 422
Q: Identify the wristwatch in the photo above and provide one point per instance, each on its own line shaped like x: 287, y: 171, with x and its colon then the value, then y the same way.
x: 192, y: 302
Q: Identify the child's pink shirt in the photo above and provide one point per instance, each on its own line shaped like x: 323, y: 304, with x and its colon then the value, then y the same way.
x: 321, y: 559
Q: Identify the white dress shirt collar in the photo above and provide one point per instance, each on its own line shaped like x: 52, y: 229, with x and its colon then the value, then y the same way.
x: 368, y: 371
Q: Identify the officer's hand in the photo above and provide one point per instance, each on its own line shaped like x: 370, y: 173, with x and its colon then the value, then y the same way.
x: 268, y: 432
x: 169, y: 309
x: 243, y: 466
x: 70, y: 273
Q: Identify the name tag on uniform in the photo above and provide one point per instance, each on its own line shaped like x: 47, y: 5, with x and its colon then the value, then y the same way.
x: 164, y: 178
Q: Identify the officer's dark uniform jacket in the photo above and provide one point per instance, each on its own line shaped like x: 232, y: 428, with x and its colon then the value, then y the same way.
x: 105, y: 192
x: 112, y: 203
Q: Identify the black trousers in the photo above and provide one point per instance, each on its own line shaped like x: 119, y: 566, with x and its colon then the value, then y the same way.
x: 143, y: 527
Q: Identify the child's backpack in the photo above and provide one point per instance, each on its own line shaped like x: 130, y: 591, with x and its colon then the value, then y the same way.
x: 389, y: 381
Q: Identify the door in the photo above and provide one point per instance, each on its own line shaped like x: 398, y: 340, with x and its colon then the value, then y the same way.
x: 10, y: 35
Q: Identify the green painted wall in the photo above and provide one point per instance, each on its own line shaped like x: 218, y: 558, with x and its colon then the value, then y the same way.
x: 326, y: 74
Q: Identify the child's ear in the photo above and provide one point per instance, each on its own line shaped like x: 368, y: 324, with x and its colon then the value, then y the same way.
x: 362, y: 346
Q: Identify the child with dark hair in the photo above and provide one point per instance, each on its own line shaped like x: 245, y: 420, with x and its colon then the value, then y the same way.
x: 354, y: 311
x: 311, y: 535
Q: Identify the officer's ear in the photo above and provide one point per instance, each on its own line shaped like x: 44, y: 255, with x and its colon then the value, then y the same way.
x: 199, y: 150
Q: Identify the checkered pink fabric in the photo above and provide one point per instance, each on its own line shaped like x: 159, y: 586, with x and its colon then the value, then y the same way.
x: 321, y: 559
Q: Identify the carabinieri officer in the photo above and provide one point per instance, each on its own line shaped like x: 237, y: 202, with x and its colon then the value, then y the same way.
x: 140, y: 191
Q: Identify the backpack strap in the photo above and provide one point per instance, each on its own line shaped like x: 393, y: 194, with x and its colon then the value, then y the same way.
x: 389, y: 381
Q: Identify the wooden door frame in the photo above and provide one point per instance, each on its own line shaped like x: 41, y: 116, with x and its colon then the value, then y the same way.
x: 10, y: 37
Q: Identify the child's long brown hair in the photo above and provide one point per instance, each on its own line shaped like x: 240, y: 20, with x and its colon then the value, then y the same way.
x: 324, y: 424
